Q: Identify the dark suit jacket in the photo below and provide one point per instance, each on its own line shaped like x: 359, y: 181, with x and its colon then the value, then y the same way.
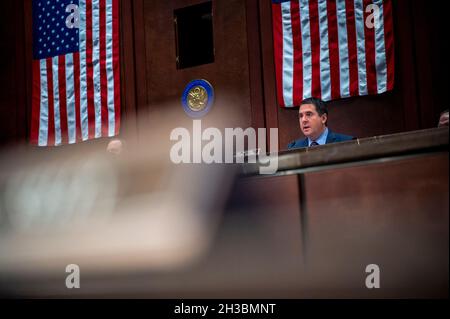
x: 331, y: 138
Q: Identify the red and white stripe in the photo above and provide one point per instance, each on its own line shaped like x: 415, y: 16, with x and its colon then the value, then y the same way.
x: 76, y: 96
x: 324, y: 49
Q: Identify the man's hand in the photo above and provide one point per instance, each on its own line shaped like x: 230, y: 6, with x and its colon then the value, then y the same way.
x: 443, y: 120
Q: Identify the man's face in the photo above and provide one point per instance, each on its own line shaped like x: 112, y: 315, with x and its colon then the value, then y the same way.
x: 311, y: 123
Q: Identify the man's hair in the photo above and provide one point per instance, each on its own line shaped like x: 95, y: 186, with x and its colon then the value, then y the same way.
x: 320, y: 105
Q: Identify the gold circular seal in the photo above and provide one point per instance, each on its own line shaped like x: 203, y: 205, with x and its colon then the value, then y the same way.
x: 197, y: 98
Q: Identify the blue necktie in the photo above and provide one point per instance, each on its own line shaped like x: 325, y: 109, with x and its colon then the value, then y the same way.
x: 314, y: 144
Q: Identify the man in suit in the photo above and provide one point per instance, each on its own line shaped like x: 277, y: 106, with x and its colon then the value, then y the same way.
x: 313, y: 116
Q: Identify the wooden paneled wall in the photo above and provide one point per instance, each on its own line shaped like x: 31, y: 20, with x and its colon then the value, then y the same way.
x: 243, y: 71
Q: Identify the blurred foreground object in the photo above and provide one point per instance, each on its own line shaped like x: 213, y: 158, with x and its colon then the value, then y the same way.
x: 109, y: 215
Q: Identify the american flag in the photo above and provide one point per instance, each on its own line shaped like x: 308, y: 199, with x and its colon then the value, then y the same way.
x: 76, y: 85
x: 332, y: 49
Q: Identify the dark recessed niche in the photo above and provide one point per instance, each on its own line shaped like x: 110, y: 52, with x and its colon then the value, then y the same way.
x: 194, y: 35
